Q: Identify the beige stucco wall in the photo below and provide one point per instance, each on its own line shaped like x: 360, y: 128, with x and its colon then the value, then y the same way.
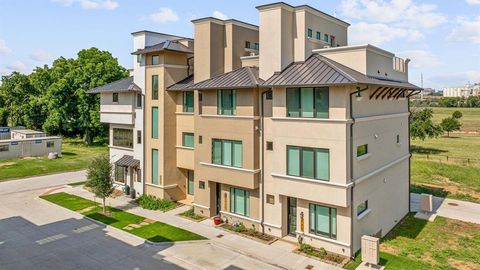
x: 235, y: 38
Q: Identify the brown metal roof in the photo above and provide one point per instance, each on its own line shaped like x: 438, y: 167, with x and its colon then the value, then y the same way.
x: 321, y: 71
x: 127, y: 161
x: 123, y: 85
x: 182, y: 85
x: 169, y: 45
x: 245, y: 77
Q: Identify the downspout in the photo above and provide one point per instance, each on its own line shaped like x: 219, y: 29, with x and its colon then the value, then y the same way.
x: 262, y: 163
x: 352, y: 117
x: 410, y: 158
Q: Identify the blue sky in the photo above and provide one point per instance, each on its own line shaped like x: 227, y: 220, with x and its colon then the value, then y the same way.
x: 441, y: 37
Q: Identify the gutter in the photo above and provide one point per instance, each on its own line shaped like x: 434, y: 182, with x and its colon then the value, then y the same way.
x: 357, y: 92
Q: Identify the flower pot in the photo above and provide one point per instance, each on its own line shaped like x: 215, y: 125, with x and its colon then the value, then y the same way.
x: 217, y: 220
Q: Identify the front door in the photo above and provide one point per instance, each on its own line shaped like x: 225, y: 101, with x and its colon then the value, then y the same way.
x: 292, y: 215
x: 218, y: 198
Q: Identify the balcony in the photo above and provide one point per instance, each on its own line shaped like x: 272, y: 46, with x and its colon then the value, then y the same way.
x: 119, y: 110
x: 239, y: 177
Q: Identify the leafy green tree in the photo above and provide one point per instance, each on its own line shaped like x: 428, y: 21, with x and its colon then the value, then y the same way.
x: 100, y: 179
x: 422, y: 126
x: 450, y: 124
x: 457, y: 114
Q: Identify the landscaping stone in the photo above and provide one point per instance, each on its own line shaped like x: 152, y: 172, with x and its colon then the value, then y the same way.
x: 136, y: 226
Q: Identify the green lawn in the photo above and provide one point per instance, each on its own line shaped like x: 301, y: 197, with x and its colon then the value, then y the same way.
x: 75, y: 156
x: 152, y: 231
x: 76, y: 184
x: 470, y: 120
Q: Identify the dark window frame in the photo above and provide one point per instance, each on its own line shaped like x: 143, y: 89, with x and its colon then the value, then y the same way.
x: 153, y: 57
x: 139, y: 136
x: 362, y: 153
x: 300, y: 168
x: 139, y: 100
x: 155, y: 86
x: 319, y: 35
x: 201, y: 184
x: 364, y: 209
x: 187, y: 108
x: 233, y: 99
x: 233, y: 205
x: 269, y: 146
x: 128, y: 137
x: 50, y: 144
x: 309, y: 33
x: 330, y: 234
x: 247, y: 44
x: 4, y: 148
x: 183, y: 139
x: 299, y: 96
x: 232, y: 152
x: 115, y: 97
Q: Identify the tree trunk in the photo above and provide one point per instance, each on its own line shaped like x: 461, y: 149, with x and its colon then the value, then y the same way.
x: 104, y: 207
x: 87, y: 138
x: 448, y: 133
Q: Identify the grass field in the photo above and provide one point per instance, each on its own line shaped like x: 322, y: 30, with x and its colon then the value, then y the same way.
x: 151, y: 230
x: 418, y: 244
x: 75, y: 156
x: 470, y: 120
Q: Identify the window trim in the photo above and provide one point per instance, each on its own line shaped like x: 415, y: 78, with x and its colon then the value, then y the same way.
x: 363, y: 210
x: 155, y: 55
x: 300, y: 168
x: 115, y: 97
x: 155, y: 135
x: 139, y: 101
x: 309, y: 33
x: 154, y: 180
x: 221, y: 107
x: 325, y: 37
x: 185, y: 106
x: 366, y: 150
x: 299, y: 96
x: 190, y: 184
x: 123, y: 130
x: 155, y: 90
x: 329, y: 235
x: 222, y: 141
x: 183, y: 139
x: 246, y: 197
x: 319, y: 35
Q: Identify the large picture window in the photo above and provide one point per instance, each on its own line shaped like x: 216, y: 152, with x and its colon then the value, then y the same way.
x: 308, y: 162
x: 323, y: 221
x: 155, y: 87
x: 188, y: 101
x: 240, y: 202
x: 122, y: 137
x: 227, y: 102
x: 227, y: 152
x: 308, y: 102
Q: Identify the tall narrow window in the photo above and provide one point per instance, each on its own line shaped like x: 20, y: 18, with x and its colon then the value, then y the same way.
x: 139, y: 136
x: 139, y: 100
x: 227, y: 152
x: 323, y: 221
x: 226, y: 102
x: 309, y: 33
x: 325, y: 37
x: 120, y: 175
x: 240, y: 201
x: 308, y: 102
x: 155, y: 166
x: 247, y: 44
x: 188, y: 139
x: 155, y: 87
x: 188, y: 101
x: 256, y: 46
x: 319, y: 37
x: 155, y: 59
x: 190, y: 184
x: 308, y: 162
x: 115, y: 97
x: 154, y: 122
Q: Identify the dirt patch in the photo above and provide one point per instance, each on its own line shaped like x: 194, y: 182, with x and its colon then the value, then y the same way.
x: 7, y: 164
x: 451, y: 188
x: 462, y: 265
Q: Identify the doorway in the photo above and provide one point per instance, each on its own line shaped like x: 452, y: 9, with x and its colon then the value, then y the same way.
x: 292, y: 215
x: 218, y: 198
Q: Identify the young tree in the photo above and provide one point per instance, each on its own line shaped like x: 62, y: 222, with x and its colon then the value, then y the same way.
x: 452, y: 123
x: 457, y: 114
x: 100, y: 177
x: 421, y: 125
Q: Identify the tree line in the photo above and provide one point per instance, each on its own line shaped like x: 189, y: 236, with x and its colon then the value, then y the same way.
x: 53, y: 99
x: 422, y: 126
x: 449, y: 102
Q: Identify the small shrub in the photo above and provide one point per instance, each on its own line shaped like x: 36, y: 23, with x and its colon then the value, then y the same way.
x: 152, y: 203
x: 239, y: 227
x: 191, y: 214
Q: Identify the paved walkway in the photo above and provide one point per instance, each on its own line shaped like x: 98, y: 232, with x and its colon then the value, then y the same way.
x: 276, y: 256
x: 449, y: 208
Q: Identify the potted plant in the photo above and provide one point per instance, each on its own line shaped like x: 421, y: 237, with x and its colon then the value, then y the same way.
x: 217, y: 220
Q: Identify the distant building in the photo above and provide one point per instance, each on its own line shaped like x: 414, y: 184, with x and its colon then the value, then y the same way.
x: 467, y: 90
x: 20, y: 142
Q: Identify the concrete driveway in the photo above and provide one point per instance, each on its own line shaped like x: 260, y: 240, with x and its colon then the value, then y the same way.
x: 35, y: 234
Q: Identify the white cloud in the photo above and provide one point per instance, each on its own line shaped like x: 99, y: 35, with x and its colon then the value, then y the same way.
x: 404, y: 13
x: 40, y: 55
x: 164, y: 15
x: 4, y: 49
x: 90, y: 4
x: 377, y: 33
x: 17, y: 66
x: 467, y: 30
x: 421, y: 59
x: 473, y: 2
x: 219, y: 15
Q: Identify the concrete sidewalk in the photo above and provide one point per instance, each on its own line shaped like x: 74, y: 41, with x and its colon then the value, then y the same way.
x: 277, y: 257
x: 449, y: 208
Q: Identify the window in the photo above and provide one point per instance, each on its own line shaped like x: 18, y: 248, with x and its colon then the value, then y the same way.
x: 362, y: 150
x: 4, y: 148
x: 188, y: 101
x: 190, y: 184
x: 270, y: 199
x: 200, y: 139
x: 247, y: 44
x: 240, y: 201
x: 122, y: 137
x: 325, y: 37
x: 139, y: 136
x: 308, y: 102
x: 227, y: 152
x: 309, y: 33
x: 270, y: 146
x: 155, y: 60
x: 155, y: 166
x: 323, y: 221
x: 398, y: 138
x: 201, y: 184
x: 139, y: 175
x: 115, y: 97
x: 50, y: 144
x: 269, y: 95
x: 155, y: 87
x: 154, y: 122
x: 362, y: 208
x: 256, y: 46
x: 188, y: 139
x: 139, y: 100
x: 332, y: 41
x: 120, y: 174
x: 226, y: 102
x: 319, y: 36
x: 139, y: 58
x: 308, y: 162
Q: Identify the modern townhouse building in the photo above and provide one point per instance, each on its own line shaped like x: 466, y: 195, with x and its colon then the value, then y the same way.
x: 283, y: 126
